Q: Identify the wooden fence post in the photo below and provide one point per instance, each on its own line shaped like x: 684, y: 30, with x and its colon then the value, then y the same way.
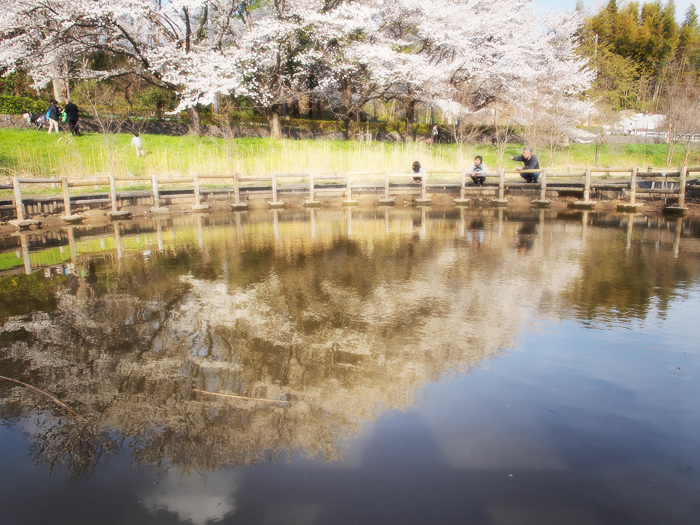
x: 66, y: 197
x: 156, y: 194
x: 462, y: 200
x: 587, y: 186
x: 349, y: 201
x: 197, y: 194
x: 683, y: 171
x: 501, y: 184
x: 198, y: 206
x: 312, y: 202
x: 275, y: 203
x: 386, y: 200
x: 113, y: 193
x: 236, y: 190
x: 19, y: 205
x: 423, y: 190
x: 237, y: 204
x: 543, y: 185
x: 633, y: 186
x: 274, y: 188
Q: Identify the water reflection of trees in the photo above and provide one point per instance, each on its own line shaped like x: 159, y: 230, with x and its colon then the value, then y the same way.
x: 342, y: 327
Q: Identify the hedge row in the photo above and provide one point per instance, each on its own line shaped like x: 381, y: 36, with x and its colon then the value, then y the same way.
x: 237, y: 120
x: 20, y: 105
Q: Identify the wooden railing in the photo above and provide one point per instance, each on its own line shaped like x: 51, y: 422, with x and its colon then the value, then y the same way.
x: 393, y: 184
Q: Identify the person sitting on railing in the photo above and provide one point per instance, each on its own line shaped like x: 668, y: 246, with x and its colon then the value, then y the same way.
x: 530, y: 162
x: 477, y: 168
x: 417, y: 172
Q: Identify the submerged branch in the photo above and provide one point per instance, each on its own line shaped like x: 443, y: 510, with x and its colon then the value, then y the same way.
x: 52, y: 398
x: 240, y: 397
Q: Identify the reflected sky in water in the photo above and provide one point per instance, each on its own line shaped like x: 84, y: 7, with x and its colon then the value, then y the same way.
x: 391, y: 366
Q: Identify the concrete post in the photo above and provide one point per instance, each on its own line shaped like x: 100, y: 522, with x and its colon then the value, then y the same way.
x: 543, y: 185
x: 156, y: 194
x: 587, y: 186
x: 349, y: 188
x: 633, y: 186
x: 113, y: 193
x: 311, y: 187
x: 463, y: 184
x: 423, y: 185
x: 19, y: 205
x: 66, y: 196
x: 386, y: 185
x: 501, y: 183
x: 197, y: 194
x: 683, y: 171
x: 274, y: 189
x: 236, y: 190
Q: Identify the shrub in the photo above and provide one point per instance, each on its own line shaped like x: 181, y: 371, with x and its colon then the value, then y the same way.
x: 19, y: 105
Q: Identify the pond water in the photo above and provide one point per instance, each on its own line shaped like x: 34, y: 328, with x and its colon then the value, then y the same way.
x: 481, y: 366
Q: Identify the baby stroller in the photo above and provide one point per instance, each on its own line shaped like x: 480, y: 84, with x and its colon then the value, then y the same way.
x: 36, y: 119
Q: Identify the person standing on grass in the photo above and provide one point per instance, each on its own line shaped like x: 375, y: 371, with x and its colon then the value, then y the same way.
x: 530, y: 162
x: 72, y: 118
x: 54, y: 116
x: 436, y: 134
x: 137, y: 143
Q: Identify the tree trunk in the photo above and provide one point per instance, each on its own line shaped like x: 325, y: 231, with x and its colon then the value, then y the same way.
x: 350, y: 127
x: 195, y: 120
x: 61, y: 90
x: 273, y: 119
x: 410, y: 112
x: 350, y: 115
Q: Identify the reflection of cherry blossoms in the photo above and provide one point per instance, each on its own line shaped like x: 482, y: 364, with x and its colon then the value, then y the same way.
x: 342, y: 330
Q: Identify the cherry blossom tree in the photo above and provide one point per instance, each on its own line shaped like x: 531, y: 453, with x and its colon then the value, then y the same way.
x: 457, y: 55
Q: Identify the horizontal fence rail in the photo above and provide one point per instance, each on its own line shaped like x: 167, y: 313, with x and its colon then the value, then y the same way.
x: 630, y: 181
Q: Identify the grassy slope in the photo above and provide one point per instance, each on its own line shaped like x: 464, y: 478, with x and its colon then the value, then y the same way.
x: 28, y: 153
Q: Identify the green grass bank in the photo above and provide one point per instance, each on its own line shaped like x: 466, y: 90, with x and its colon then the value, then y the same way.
x: 32, y: 154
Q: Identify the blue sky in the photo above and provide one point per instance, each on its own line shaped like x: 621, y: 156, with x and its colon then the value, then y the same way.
x: 594, y: 5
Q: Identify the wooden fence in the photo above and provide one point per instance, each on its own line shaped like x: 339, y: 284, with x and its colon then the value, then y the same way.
x: 629, y: 181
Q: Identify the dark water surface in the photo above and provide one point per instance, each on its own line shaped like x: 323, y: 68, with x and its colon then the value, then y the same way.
x: 406, y: 366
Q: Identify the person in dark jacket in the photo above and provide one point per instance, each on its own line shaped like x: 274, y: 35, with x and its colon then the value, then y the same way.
x: 530, y: 162
x: 54, y: 116
x: 72, y: 117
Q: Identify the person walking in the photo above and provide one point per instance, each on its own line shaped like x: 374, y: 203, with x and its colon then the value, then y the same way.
x: 72, y: 117
x: 530, y: 162
x: 137, y: 144
x: 54, y: 116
